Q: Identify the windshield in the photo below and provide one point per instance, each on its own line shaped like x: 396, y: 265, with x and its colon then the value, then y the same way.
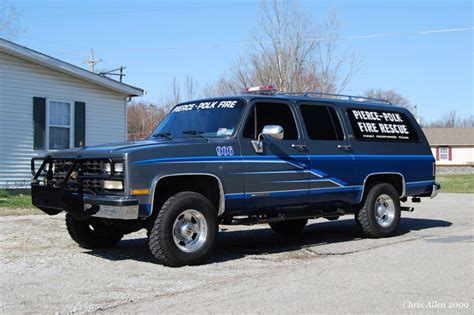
x: 209, y: 119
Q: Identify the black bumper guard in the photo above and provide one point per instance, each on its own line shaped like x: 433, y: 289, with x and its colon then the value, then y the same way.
x: 53, y: 196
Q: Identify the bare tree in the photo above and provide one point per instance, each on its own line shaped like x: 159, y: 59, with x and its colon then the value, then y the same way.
x: 467, y: 122
x: 288, y: 51
x: 10, y: 26
x: 174, y: 93
x: 190, y: 88
x: 451, y: 120
x: 142, y: 119
x: 392, y: 96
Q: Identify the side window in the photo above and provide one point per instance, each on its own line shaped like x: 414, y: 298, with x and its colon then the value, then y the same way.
x: 381, y: 125
x: 322, y: 123
x: 264, y: 114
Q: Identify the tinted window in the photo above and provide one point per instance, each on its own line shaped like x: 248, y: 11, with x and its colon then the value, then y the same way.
x: 322, y: 123
x: 264, y: 114
x: 378, y: 125
x: 209, y: 118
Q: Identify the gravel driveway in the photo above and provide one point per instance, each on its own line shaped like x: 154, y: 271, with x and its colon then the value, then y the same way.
x: 428, y: 267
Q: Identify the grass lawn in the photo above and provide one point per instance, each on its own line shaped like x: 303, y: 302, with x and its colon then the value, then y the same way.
x: 16, y: 205
x: 456, y: 183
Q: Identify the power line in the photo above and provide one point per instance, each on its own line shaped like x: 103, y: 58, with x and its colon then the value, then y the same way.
x: 252, y: 43
x: 151, y: 10
x: 450, y: 30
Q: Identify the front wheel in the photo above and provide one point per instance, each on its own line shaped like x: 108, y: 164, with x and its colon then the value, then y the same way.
x: 92, y: 233
x: 380, y: 214
x: 185, y: 230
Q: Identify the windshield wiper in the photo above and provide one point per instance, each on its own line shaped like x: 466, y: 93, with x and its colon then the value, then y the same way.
x: 166, y: 135
x: 195, y: 133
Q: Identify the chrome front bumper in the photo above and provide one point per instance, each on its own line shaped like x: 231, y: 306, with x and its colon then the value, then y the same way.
x: 434, y: 190
x: 112, y: 207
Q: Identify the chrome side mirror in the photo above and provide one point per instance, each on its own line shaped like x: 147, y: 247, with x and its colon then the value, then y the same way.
x: 274, y: 132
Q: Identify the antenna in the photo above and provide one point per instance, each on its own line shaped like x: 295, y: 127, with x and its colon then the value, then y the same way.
x: 121, y: 73
x: 92, y: 61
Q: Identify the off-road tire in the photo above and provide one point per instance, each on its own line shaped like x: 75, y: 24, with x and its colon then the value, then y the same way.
x: 289, y: 227
x: 365, y: 217
x: 92, y: 234
x: 161, y: 242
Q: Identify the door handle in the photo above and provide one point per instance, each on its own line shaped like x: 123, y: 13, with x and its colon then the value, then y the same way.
x: 299, y: 147
x: 344, y: 147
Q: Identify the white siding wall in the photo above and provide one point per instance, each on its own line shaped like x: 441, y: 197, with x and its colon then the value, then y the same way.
x: 459, y: 156
x: 20, y: 81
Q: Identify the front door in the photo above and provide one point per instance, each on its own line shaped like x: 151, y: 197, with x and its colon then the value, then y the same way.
x: 330, y: 154
x: 277, y: 177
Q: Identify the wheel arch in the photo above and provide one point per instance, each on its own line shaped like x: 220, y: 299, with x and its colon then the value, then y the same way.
x: 394, y: 178
x: 220, y: 204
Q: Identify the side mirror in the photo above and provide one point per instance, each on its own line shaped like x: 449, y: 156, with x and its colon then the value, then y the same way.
x: 274, y: 132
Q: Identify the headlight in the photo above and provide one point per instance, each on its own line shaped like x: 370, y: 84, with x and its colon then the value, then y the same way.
x: 107, y: 168
x: 112, y: 184
x: 118, y: 167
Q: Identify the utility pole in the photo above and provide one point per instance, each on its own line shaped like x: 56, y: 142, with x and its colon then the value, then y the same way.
x: 92, y: 61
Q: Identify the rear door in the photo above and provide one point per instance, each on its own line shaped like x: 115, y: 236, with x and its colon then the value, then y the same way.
x: 331, y: 171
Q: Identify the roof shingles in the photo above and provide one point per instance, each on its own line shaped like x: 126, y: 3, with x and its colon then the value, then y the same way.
x: 450, y: 136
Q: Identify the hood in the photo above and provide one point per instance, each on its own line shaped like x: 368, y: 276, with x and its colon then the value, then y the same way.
x: 117, y: 149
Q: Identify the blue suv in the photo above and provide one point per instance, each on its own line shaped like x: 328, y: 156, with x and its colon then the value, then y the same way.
x: 278, y: 159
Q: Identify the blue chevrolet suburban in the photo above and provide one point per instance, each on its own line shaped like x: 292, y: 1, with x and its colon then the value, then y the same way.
x: 279, y: 159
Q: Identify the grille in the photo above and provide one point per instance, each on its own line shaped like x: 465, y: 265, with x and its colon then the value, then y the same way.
x: 89, y: 168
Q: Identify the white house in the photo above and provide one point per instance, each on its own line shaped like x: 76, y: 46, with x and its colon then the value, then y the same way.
x: 48, y: 104
x: 452, y: 147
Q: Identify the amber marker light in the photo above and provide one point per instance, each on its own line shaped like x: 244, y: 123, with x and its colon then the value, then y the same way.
x: 140, y: 192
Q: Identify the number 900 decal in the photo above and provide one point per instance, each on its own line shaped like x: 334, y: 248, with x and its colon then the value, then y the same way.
x: 225, y: 151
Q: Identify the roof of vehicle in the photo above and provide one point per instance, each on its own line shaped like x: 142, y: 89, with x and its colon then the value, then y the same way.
x: 296, y: 98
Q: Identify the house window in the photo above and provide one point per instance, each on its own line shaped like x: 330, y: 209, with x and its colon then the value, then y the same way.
x: 443, y: 153
x: 59, y: 125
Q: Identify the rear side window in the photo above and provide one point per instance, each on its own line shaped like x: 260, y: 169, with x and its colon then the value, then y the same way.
x: 322, y: 123
x: 264, y: 114
x: 378, y: 125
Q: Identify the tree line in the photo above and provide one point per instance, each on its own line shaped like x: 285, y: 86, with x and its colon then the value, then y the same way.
x: 286, y: 50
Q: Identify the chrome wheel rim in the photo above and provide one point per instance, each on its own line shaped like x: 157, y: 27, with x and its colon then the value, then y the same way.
x: 190, y: 230
x: 384, y: 210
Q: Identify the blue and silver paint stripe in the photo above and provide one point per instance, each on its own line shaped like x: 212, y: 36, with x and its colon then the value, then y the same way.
x: 313, y: 171
x: 420, y: 183
x: 294, y: 192
x: 292, y: 159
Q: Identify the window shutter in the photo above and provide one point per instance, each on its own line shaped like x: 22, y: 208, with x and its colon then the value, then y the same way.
x: 79, y: 124
x: 450, y: 154
x: 39, y: 123
x: 437, y: 153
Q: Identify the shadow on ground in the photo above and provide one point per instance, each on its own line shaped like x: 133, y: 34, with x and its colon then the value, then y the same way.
x: 237, y: 244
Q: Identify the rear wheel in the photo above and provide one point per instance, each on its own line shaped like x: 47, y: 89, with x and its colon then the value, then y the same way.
x: 289, y: 227
x: 92, y: 233
x: 185, y: 230
x: 380, y: 214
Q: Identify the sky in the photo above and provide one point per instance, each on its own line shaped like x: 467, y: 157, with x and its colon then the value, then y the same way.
x: 160, y: 40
